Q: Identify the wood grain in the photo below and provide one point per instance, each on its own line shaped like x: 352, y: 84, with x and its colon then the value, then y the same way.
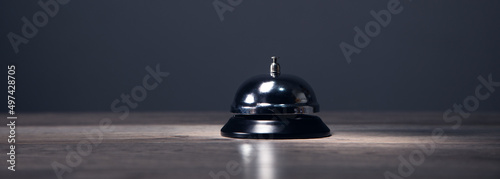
x: 188, y: 145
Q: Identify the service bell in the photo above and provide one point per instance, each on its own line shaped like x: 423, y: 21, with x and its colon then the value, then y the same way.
x: 275, y: 106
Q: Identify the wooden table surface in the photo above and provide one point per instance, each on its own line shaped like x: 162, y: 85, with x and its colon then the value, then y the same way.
x: 189, y: 145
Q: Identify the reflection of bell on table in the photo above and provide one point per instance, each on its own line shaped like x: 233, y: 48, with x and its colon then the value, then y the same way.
x: 275, y: 106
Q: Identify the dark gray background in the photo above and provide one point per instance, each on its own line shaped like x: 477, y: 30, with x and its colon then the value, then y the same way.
x: 427, y: 58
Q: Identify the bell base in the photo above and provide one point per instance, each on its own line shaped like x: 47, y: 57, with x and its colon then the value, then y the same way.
x: 297, y: 126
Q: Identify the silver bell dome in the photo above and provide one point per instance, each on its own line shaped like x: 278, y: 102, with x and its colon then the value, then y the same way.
x: 275, y: 94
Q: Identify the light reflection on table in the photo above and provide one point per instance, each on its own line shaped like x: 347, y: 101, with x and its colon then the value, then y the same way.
x: 259, y: 160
